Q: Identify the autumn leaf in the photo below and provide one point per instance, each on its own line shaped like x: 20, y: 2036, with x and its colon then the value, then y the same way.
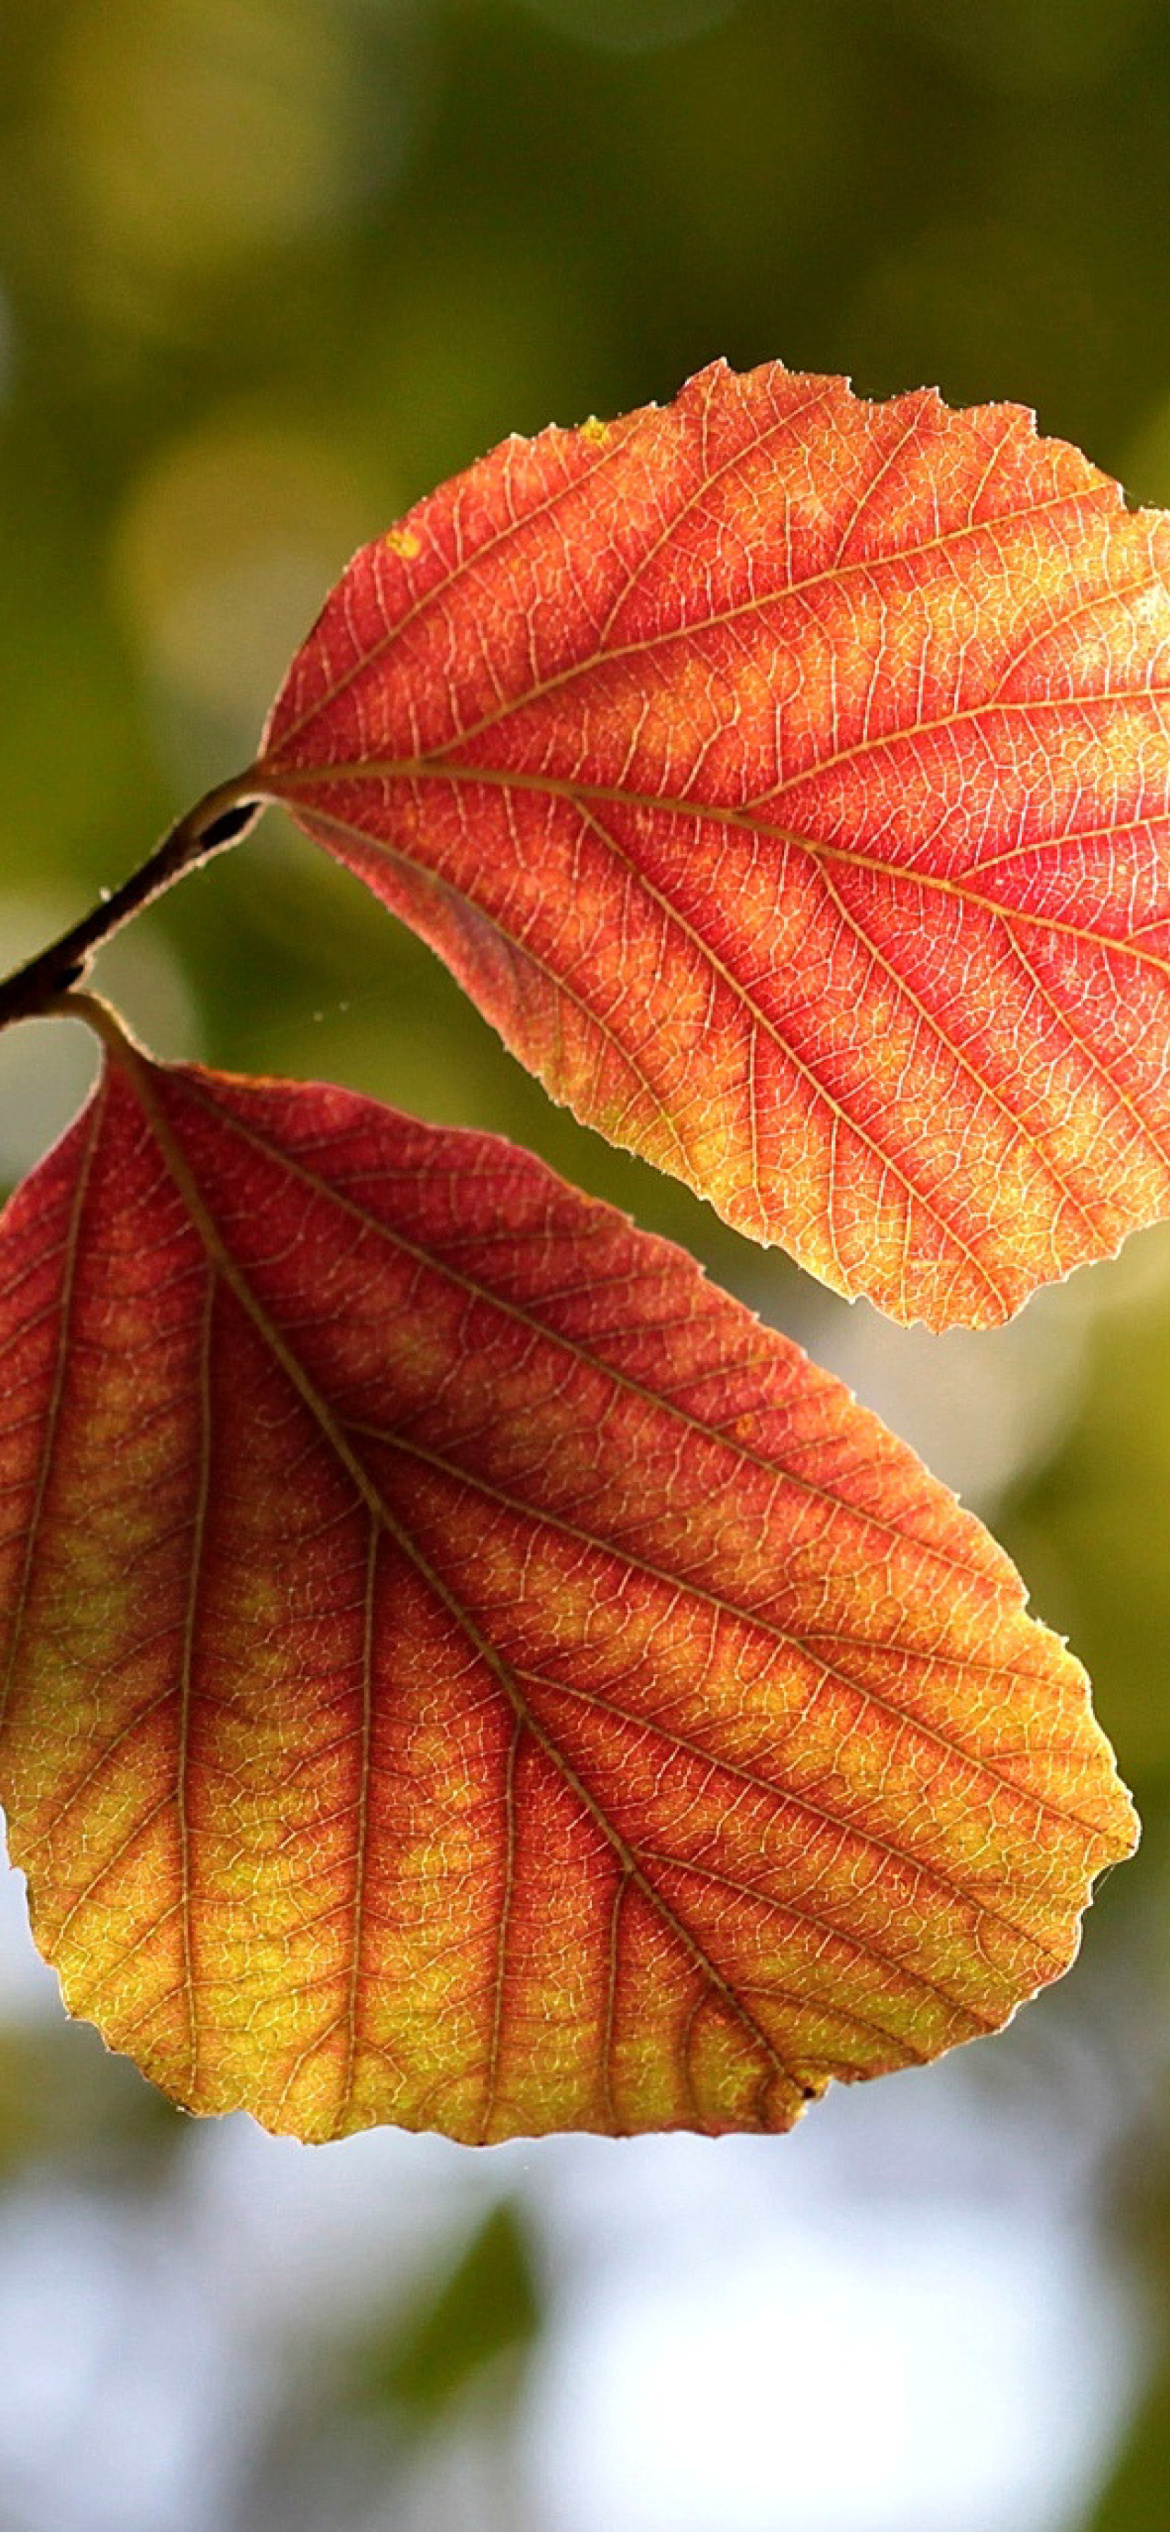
x: 460, y: 1669
x: 788, y: 778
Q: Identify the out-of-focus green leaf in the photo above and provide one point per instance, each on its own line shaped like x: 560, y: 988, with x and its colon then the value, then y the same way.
x: 1134, y: 2499
x: 1093, y: 1531
x: 486, y: 2310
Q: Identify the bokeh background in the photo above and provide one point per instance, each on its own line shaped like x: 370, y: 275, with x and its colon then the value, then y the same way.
x: 269, y: 269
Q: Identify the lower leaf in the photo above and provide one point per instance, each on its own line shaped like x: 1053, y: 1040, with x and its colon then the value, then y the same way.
x: 459, y: 1669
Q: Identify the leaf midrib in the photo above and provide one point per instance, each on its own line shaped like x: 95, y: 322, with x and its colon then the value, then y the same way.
x: 542, y: 1516
x: 283, y: 783
x: 137, y: 1070
x: 335, y: 1432
x: 1005, y: 1584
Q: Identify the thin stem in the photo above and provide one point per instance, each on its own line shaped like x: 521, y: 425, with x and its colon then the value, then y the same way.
x: 217, y: 821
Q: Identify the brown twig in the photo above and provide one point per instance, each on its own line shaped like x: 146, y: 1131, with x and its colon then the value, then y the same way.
x: 216, y: 821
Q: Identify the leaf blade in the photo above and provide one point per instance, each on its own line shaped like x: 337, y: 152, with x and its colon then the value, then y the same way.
x: 461, y: 1669
x: 787, y: 779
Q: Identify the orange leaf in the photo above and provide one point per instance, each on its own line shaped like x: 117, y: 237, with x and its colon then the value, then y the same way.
x: 788, y: 778
x: 460, y: 1669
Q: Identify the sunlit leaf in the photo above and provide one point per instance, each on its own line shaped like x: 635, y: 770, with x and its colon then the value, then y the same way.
x: 788, y: 778
x: 461, y: 1669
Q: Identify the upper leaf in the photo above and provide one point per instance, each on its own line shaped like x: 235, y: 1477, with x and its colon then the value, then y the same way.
x: 788, y: 777
x: 458, y: 1668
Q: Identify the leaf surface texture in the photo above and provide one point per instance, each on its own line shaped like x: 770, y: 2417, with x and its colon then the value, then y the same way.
x: 788, y: 778
x: 459, y: 1669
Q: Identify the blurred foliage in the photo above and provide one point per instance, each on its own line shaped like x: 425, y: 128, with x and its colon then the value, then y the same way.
x: 66, y: 2105
x: 268, y: 270
x: 1134, y: 2497
x: 359, y: 2417
x: 1091, y: 1530
x: 485, y: 2313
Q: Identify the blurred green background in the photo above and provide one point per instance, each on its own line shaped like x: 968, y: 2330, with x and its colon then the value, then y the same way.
x: 268, y: 270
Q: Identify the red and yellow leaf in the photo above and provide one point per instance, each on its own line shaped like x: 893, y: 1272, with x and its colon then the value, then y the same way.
x: 460, y: 1669
x: 788, y: 778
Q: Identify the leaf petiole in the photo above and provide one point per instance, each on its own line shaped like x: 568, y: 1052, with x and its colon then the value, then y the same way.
x: 117, y: 1038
